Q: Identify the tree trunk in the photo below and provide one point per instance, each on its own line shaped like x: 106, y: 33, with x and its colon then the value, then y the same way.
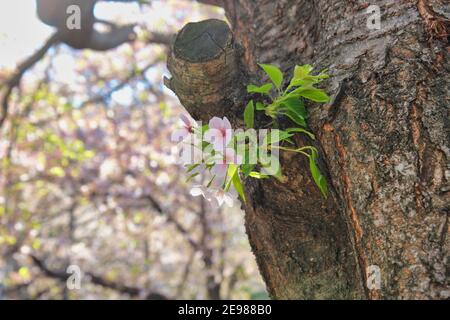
x: 384, y: 141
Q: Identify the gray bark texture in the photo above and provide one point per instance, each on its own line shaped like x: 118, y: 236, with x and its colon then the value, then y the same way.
x: 384, y: 141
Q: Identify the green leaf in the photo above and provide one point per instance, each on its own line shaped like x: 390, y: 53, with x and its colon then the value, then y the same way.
x: 294, y: 103
x: 290, y: 141
x: 247, y: 169
x: 257, y: 175
x: 232, y: 170
x: 313, y: 94
x: 233, y: 174
x: 237, y: 183
x: 294, y: 108
x: 274, y: 74
x: 191, y: 167
x: 204, y: 128
x: 310, y: 134
x: 249, y: 115
x: 192, y: 176
x: 303, y: 82
x: 260, y: 106
x: 264, y: 89
x: 246, y: 166
x: 319, y: 179
x: 282, y: 135
x: 302, y: 76
x: 295, y: 116
x: 300, y: 72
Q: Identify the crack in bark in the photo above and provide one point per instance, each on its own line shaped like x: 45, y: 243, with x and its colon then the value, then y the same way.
x: 437, y: 26
x: 357, y: 229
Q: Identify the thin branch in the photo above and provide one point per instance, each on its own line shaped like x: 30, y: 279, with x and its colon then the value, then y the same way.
x: 172, y: 220
x: 134, y: 74
x: 98, y: 280
x: 212, y: 285
x: 14, y: 81
x: 185, y: 274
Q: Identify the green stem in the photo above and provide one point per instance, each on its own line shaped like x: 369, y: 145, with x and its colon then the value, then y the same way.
x: 299, y: 150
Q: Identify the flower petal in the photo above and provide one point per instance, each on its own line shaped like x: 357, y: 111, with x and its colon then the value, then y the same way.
x: 179, y: 135
x: 197, y: 191
x: 187, y: 122
x: 228, y: 136
x: 216, y: 123
x: 219, y: 144
x: 230, y: 156
x: 226, y: 123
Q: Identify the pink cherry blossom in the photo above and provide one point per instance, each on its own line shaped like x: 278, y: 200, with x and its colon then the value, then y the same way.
x: 186, y: 130
x: 188, y: 123
x: 221, y: 196
x: 219, y: 133
x: 215, y: 196
x: 229, y: 157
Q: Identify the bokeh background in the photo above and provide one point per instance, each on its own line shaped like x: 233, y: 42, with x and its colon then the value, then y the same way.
x: 89, y: 176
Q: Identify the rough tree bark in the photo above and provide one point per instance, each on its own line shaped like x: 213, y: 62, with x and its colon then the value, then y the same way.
x: 384, y: 141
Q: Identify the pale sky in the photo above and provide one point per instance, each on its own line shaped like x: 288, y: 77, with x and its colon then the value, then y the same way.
x: 21, y: 32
